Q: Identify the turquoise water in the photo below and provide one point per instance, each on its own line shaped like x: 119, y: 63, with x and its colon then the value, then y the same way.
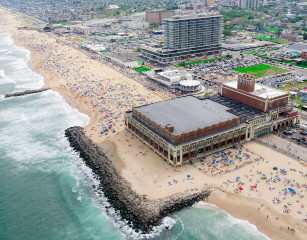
x: 47, y: 192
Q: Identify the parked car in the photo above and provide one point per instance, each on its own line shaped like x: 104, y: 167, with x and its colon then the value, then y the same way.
x: 287, y: 132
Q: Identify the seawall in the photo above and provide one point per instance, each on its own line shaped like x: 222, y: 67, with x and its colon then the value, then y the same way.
x: 17, y: 94
x: 137, y: 209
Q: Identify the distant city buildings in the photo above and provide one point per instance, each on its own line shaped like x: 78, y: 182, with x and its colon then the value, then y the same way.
x: 112, y: 9
x: 157, y: 17
x: 210, y: 2
x: 135, y: 25
x: 249, y: 3
x: 290, y: 36
x: 187, y: 36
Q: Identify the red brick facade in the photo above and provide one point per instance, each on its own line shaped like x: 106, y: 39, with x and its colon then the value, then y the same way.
x: 246, y: 83
x: 304, y: 55
x: 244, y: 97
x: 262, y: 104
x: 157, y: 17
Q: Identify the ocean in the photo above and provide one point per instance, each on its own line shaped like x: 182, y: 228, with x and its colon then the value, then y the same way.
x: 48, y: 193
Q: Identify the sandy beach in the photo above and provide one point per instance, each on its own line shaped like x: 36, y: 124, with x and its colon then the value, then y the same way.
x: 105, y: 94
x: 150, y: 175
x: 99, y: 91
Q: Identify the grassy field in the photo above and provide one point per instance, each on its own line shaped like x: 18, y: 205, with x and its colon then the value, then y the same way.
x: 200, y: 61
x: 260, y: 70
x: 142, y: 69
x: 267, y: 38
x: 131, y: 39
x: 299, y: 86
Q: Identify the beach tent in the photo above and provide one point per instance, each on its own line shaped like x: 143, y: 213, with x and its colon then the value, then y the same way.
x: 241, y: 188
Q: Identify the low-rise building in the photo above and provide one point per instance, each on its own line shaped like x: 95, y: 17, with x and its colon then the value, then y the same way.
x: 185, y: 128
x: 169, y: 78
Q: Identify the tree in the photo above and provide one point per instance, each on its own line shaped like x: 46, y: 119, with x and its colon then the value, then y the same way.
x: 305, y: 36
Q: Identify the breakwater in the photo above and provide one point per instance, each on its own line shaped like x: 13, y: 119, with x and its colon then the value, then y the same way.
x: 17, y: 94
x: 141, y: 212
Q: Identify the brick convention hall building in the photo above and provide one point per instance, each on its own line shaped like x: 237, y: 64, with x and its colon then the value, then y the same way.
x: 187, y: 127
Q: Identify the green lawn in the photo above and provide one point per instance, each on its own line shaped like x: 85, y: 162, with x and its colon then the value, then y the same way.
x: 131, y: 39
x: 260, y: 70
x: 200, y: 61
x: 267, y: 38
x: 287, y: 87
x: 142, y: 69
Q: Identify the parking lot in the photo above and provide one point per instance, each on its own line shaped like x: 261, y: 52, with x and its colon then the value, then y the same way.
x: 296, y: 135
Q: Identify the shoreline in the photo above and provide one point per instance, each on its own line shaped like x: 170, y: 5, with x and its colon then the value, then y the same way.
x: 271, y: 229
x: 137, y: 209
x: 245, y: 209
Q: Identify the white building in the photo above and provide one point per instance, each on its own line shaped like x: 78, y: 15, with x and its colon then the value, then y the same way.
x: 82, y: 29
x: 179, y: 79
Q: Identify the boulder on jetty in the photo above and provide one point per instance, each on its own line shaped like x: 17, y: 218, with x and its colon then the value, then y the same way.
x: 17, y: 94
x: 137, y: 209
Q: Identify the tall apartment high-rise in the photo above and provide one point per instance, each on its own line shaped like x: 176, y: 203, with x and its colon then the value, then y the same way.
x: 249, y: 3
x: 187, y: 36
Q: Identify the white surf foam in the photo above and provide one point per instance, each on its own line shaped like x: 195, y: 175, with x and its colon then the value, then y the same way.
x: 5, y: 51
x: 5, y: 79
x: 101, y: 202
x: 250, y: 228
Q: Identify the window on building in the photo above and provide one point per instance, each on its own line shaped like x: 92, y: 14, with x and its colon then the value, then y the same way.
x: 151, y: 125
x: 172, y: 139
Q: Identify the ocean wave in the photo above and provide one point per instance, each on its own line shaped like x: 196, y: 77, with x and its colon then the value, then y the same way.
x: 6, y: 40
x: 5, y: 79
x: 91, y: 180
x: 5, y: 51
x: 230, y: 221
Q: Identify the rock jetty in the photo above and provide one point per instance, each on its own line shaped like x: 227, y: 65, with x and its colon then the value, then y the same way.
x: 137, y: 209
x: 17, y: 94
